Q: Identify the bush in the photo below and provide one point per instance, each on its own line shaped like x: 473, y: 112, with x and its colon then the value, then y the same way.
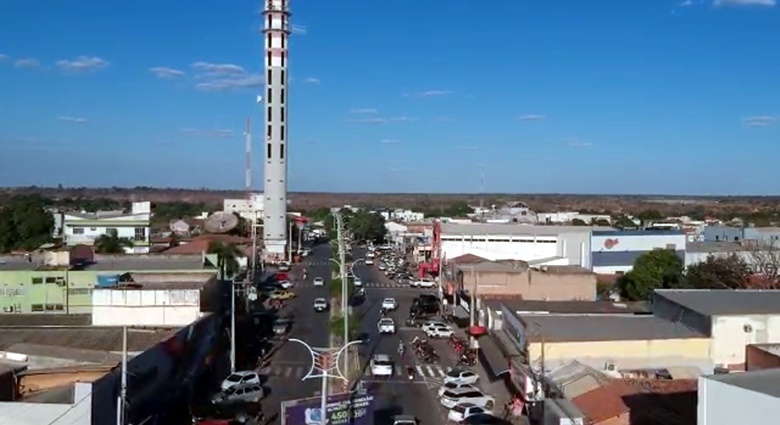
x: 337, y: 326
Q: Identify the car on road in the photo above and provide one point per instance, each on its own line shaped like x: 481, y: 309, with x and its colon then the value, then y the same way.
x: 357, y: 282
x: 239, y: 378
x: 389, y: 304
x: 422, y: 283
x: 282, y: 326
x: 369, y: 261
x: 453, y: 385
x: 318, y: 281
x: 320, y: 305
x: 461, y: 376
x: 281, y: 295
x: 286, y: 284
x: 284, y: 267
x: 439, y: 332
x: 381, y: 267
x: 244, y: 393
x: 433, y: 324
x: 386, y: 325
x: 451, y: 398
x: 463, y: 411
x: 381, y: 366
x: 405, y: 420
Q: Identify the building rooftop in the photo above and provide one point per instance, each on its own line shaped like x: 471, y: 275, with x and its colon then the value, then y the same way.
x: 478, y: 229
x: 45, y: 319
x: 96, y: 338
x: 771, y: 348
x: 765, y: 381
x: 58, y: 352
x: 131, y: 262
x: 713, y: 302
x: 602, y: 327
x: 494, y: 267
x: 563, y: 307
x: 713, y: 247
x: 616, y: 232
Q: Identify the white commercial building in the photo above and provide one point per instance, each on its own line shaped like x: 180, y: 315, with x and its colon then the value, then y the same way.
x: 541, y: 245
x: 565, y: 217
x: 84, y: 228
x: 614, y: 251
x: 732, y: 319
x: 248, y: 209
x: 171, y: 300
x: 72, y: 407
x: 739, y: 398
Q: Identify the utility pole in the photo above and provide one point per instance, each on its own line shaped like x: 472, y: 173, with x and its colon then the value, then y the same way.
x: 344, y: 281
x: 232, y: 326
x: 120, y: 403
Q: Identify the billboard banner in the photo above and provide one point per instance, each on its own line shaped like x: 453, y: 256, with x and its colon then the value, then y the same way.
x: 343, y: 409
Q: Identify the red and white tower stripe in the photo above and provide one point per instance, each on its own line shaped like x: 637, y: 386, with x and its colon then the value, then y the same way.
x: 276, y: 29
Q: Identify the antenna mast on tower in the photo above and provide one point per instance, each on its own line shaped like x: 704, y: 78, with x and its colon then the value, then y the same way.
x: 248, y: 136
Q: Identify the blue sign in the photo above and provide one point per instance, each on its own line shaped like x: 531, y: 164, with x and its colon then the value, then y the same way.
x: 343, y: 409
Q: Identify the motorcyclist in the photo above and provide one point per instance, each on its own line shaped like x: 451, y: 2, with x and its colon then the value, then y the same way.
x: 410, y: 372
x: 401, y: 348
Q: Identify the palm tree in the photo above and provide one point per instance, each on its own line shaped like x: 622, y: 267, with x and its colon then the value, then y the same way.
x: 227, y: 258
x: 111, y: 243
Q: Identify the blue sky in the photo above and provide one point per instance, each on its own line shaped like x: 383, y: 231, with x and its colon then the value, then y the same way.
x: 605, y: 96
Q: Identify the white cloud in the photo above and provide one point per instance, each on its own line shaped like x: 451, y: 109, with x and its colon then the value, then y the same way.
x: 27, y: 63
x: 531, y: 117
x: 299, y: 29
x: 429, y: 93
x: 216, y: 69
x: 74, y: 120
x: 211, y: 134
x: 576, y: 143
x: 166, y: 73
x: 759, y: 3
x: 380, y: 120
x: 82, y: 64
x: 759, y: 121
x: 686, y: 3
x: 312, y: 80
x: 363, y: 111
x: 390, y: 142
x: 232, y: 83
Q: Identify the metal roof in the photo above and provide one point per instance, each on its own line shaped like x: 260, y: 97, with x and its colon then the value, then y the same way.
x: 603, y: 327
x: 761, y: 381
x: 711, y: 247
x: 713, y: 302
x: 563, y: 307
x: 97, y: 338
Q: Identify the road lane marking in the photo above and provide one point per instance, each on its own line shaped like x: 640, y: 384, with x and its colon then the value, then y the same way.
x: 430, y: 371
x: 266, y: 370
x: 287, y: 372
x: 441, y: 373
x: 420, y: 370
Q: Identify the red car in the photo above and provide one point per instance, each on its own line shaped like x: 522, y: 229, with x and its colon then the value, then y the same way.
x: 282, y: 276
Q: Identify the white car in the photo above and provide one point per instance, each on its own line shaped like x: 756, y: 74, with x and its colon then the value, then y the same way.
x: 370, y: 255
x: 318, y: 281
x: 451, y: 398
x: 357, y: 282
x: 369, y: 262
x: 461, y: 411
x: 286, y: 284
x: 433, y: 324
x: 381, y: 267
x: 381, y: 365
x: 240, y: 378
x: 423, y: 283
x: 320, y: 305
x: 461, y: 376
x: 284, y: 267
x: 439, y: 332
x: 389, y: 304
x: 386, y: 325
x: 452, y: 386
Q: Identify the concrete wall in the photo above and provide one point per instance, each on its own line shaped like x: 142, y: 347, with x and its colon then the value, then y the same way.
x: 732, y: 334
x: 500, y: 247
x: 575, y: 247
x: 723, y: 233
x: 78, y: 413
x: 136, y: 227
x: 534, y: 285
x: 724, y: 404
x: 117, y: 307
x: 625, y: 354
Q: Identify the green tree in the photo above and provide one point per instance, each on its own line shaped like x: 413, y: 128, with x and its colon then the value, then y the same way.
x: 578, y: 222
x: 25, y: 223
x: 624, y: 222
x: 659, y: 268
x: 367, y: 227
x: 227, y: 258
x: 111, y: 243
x: 718, y: 273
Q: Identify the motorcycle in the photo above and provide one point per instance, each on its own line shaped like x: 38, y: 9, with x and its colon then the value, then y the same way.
x: 410, y: 372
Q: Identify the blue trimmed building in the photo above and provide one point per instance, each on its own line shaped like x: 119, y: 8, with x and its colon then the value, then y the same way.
x: 614, y: 251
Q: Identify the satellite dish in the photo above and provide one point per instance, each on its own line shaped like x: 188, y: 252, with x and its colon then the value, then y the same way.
x: 220, y: 222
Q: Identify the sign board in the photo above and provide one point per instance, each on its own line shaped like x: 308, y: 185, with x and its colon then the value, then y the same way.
x: 343, y: 409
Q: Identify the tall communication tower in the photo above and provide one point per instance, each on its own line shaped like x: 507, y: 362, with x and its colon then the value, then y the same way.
x: 277, y: 29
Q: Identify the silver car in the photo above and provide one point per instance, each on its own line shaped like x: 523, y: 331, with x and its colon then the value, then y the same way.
x: 247, y: 393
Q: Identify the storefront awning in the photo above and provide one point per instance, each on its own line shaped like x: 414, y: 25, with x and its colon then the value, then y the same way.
x: 492, y: 357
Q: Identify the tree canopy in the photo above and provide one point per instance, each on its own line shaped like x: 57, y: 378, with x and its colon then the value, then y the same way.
x: 366, y: 226
x: 227, y: 258
x: 659, y: 268
x: 730, y: 272
x: 111, y: 243
x: 25, y: 223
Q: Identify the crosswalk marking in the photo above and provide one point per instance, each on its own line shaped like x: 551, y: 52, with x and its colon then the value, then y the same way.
x: 434, y: 373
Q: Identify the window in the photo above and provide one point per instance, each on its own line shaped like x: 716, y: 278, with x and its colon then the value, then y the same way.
x: 283, y: 101
x: 269, y: 151
x: 78, y: 230
x: 111, y: 231
x: 51, y: 279
x: 281, y: 153
x: 268, y: 37
x: 79, y: 291
x: 269, y: 117
x: 8, y: 309
x: 54, y: 307
x: 284, y: 80
x: 268, y: 97
x: 269, y: 76
x: 37, y: 280
x: 140, y: 234
x: 268, y: 57
x: 281, y: 113
x: 284, y: 42
x: 268, y: 131
x: 36, y: 307
x: 284, y: 58
x: 281, y: 134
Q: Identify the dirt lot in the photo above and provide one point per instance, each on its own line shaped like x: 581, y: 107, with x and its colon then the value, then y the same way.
x: 668, y: 205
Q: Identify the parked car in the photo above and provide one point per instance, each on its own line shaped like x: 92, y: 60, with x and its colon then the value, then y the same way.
x: 318, y: 281
x: 244, y: 393
x: 462, y: 411
x: 282, y: 326
x: 381, y: 267
x: 386, y: 325
x: 284, y: 267
x: 461, y: 376
x: 281, y: 295
x: 439, y: 332
x: 433, y: 324
x: 453, y: 385
x: 467, y: 395
x: 381, y: 365
x: 405, y: 420
x: 320, y: 305
x: 369, y: 261
x: 357, y: 282
x: 423, y: 283
x: 286, y: 284
x: 239, y: 378
x: 389, y: 304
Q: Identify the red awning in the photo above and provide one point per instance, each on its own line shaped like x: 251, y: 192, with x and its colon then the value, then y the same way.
x: 477, y: 330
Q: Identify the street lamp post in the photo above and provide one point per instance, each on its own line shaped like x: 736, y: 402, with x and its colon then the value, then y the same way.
x: 344, y: 282
x: 324, y: 365
x: 232, y: 326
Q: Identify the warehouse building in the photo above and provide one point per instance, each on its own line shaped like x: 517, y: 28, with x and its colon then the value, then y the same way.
x: 614, y: 251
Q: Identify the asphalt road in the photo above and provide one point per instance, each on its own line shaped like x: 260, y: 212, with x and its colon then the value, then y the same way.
x: 398, y: 395
x: 293, y: 361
